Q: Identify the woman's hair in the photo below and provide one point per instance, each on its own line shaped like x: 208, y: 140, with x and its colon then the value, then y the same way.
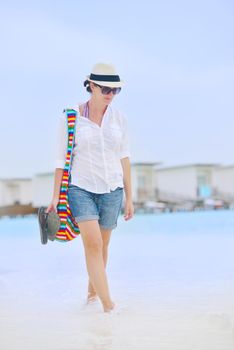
x: 87, y: 85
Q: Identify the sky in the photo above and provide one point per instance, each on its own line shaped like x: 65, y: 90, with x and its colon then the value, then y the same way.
x: 175, y: 57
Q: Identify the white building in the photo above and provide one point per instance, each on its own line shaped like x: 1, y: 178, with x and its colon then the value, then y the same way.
x: 15, y: 191
x: 223, y: 182
x: 185, y: 182
x: 42, y: 189
x: 143, y: 181
x: 149, y: 183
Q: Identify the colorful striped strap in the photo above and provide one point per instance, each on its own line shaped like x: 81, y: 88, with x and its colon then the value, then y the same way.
x: 71, y: 129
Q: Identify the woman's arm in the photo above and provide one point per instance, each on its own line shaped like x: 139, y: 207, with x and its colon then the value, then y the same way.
x: 127, y: 177
x: 129, y: 208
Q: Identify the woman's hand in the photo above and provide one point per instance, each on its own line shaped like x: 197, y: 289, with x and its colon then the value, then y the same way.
x: 52, y: 206
x: 128, y: 210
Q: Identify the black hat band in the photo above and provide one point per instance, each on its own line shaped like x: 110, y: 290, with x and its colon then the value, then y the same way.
x: 98, y: 77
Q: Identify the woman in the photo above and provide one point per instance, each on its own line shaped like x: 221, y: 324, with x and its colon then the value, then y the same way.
x: 100, y: 172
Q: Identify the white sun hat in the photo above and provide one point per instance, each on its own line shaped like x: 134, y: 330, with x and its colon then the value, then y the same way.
x: 105, y: 74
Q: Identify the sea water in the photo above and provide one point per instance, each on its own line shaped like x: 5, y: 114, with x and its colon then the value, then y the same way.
x: 170, y: 275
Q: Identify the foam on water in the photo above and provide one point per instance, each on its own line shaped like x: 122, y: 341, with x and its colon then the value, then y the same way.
x: 170, y: 275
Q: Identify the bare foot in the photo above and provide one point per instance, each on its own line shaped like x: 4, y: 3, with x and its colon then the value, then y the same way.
x: 109, y: 307
x: 92, y: 296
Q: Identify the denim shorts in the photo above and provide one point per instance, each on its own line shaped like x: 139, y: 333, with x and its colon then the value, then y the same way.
x: 104, y: 207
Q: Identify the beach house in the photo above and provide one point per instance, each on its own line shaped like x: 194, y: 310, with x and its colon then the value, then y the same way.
x: 16, y: 196
x: 42, y: 189
x: 15, y: 191
x: 185, y: 182
x: 223, y: 182
x: 143, y: 181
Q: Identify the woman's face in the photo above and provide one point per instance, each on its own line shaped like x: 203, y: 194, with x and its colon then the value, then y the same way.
x: 99, y: 96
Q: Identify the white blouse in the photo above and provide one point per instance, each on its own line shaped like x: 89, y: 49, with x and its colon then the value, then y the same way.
x: 97, y: 151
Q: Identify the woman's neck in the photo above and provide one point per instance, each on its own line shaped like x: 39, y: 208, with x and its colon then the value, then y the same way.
x: 96, y: 107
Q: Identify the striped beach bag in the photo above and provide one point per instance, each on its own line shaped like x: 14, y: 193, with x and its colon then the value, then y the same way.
x: 69, y: 228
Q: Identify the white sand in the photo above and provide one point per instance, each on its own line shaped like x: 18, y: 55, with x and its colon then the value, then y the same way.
x: 173, y: 292
x: 72, y: 326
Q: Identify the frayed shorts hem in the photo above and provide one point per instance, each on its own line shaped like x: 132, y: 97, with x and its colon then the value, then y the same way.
x: 108, y: 228
x: 93, y: 217
x: 86, y: 218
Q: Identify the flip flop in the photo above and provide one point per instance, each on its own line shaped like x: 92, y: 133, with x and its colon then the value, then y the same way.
x: 42, y: 216
x: 49, y: 224
x: 53, y: 225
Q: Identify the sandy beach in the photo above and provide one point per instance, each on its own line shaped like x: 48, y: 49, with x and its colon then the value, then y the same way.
x: 173, y: 284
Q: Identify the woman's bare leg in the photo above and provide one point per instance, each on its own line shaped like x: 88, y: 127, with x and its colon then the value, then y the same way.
x: 93, y: 245
x: 106, y: 234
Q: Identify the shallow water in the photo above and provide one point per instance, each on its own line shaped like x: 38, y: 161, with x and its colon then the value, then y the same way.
x: 171, y: 276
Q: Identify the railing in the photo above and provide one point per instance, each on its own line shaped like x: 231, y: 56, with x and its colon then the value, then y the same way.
x: 17, y: 209
x: 223, y: 196
x: 171, y: 197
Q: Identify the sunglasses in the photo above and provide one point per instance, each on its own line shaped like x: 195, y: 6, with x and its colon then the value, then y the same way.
x: 107, y: 90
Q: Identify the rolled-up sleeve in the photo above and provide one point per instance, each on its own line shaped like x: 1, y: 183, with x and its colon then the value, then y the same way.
x: 61, y: 142
x: 124, y: 147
